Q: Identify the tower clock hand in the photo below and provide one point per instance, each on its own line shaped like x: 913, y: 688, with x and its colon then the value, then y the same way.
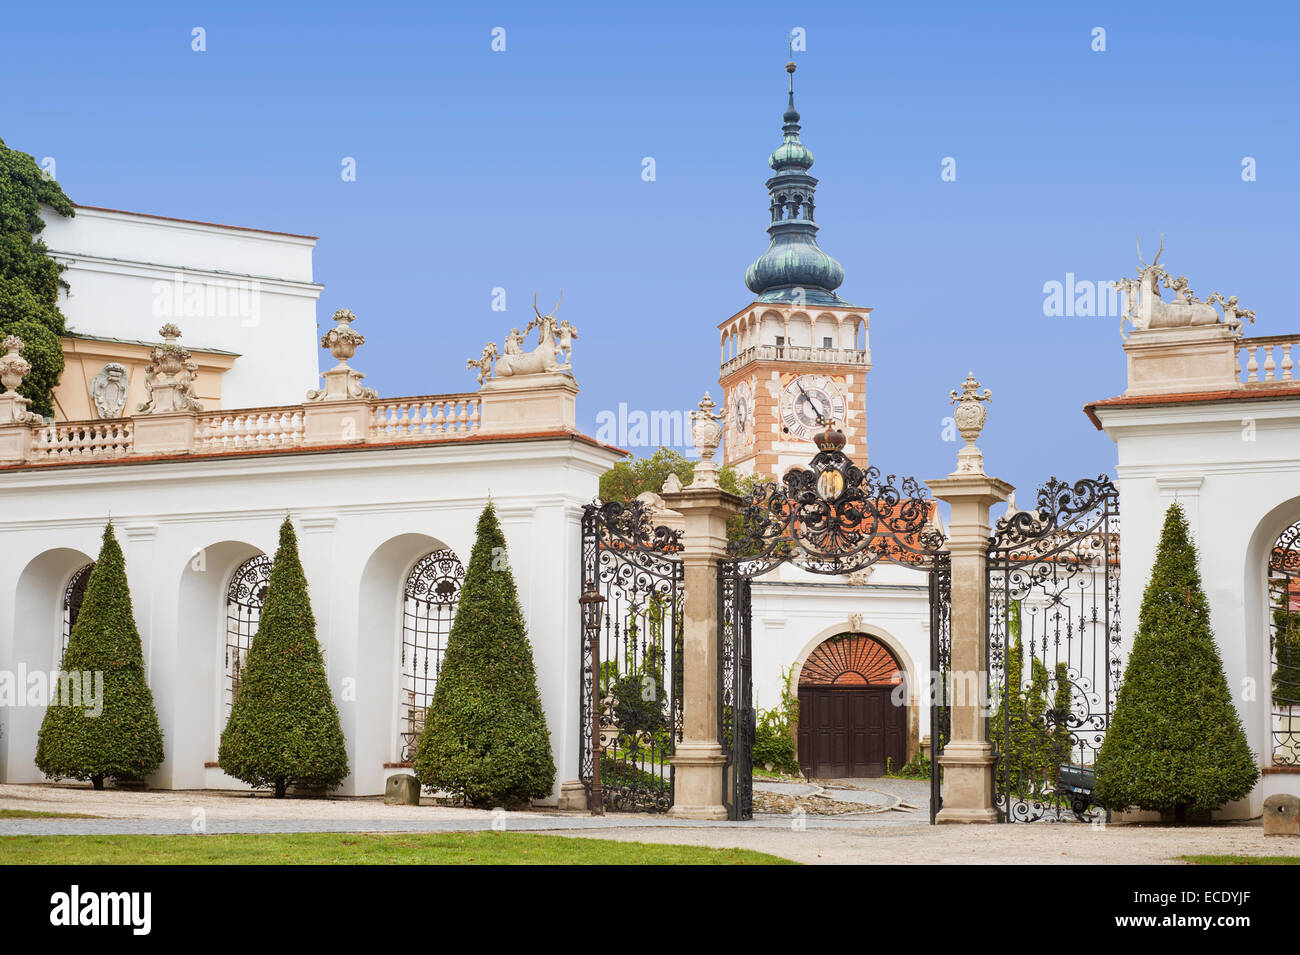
x: 821, y: 417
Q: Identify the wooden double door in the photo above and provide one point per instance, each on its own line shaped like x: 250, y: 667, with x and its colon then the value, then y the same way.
x: 847, y: 731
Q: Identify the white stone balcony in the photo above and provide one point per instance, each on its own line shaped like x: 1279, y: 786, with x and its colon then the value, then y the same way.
x: 1267, y: 362
x: 799, y: 353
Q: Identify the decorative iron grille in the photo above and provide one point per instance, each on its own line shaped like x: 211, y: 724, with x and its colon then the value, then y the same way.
x: 244, y: 599
x: 1284, y: 647
x: 73, y: 595
x: 636, y: 567
x: 428, y: 611
x: 1054, y: 662
x: 940, y: 667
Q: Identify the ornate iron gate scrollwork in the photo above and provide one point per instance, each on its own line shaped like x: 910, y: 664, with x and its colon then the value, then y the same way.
x: 636, y: 567
x: 1054, y: 665
x: 830, y: 518
x: 940, y: 665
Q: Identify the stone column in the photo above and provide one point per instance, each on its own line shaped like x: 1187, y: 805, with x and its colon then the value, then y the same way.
x: 698, y: 762
x: 967, y: 757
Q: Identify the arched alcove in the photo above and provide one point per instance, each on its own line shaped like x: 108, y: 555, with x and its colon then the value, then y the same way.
x: 38, y: 643
x: 383, y: 718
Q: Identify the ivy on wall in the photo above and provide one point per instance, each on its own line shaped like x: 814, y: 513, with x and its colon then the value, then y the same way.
x: 29, y: 279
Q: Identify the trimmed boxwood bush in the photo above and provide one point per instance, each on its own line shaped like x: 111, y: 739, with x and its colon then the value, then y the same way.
x: 124, y: 741
x: 1175, y: 741
x: 284, y: 727
x: 485, y: 737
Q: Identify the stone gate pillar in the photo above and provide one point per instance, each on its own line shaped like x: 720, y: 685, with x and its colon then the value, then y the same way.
x: 698, y: 760
x: 967, y: 757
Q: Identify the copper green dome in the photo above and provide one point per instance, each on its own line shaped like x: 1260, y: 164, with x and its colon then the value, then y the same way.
x: 793, y: 268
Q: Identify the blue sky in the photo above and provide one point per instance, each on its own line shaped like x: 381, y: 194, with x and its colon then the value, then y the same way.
x: 522, y: 169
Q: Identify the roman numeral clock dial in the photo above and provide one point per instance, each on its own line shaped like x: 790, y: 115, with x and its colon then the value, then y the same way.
x: 807, y: 402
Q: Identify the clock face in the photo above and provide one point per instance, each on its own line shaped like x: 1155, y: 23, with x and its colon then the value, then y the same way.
x: 742, y: 411
x: 808, y: 402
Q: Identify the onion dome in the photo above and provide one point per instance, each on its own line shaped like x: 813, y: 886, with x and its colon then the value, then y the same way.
x: 793, y: 267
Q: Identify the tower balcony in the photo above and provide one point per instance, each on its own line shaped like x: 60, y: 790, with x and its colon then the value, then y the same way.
x: 797, y: 353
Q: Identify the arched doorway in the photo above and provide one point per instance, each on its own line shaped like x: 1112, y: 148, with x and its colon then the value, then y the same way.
x: 244, y: 597
x: 849, y: 723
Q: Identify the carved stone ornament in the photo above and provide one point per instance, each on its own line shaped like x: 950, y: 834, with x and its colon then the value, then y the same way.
x: 342, y: 382
x: 551, y: 354
x: 108, y: 391
x: 13, y: 368
x: 706, y: 433
x: 969, y: 417
x: 170, y: 376
x: 1144, y: 308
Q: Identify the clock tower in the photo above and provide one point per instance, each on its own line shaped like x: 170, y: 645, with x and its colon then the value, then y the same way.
x: 798, y: 354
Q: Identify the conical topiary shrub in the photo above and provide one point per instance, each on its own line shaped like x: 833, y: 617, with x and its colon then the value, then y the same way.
x: 284, y: 727
x: 1175, y: 741
x: 123, y: 741
x: 485, y: 737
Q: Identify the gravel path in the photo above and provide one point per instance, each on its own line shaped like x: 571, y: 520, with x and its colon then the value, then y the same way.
x: 877, y: 837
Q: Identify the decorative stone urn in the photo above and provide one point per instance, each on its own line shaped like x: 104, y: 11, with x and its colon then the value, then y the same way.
x: 170, y: 376
x: 13, y: 369
x: 706, y: 433
x: 969, y: 417
x: 342, y: 383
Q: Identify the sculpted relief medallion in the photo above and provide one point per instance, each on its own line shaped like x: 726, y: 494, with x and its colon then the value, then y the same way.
x: 108, y: 390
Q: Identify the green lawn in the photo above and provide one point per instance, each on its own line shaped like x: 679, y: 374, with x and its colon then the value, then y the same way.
x: 1242, y: 860
x: 35, y: 814
x: 478, y: 848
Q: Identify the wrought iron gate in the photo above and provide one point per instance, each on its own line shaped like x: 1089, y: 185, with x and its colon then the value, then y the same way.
x: 940, y: 665
x: 637, y: 570
x: 1054, y: 665
x: 829, y: 518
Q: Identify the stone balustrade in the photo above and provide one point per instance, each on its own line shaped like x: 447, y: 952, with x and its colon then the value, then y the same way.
x: 840, y: 356
x: 427, y: 418
x: 392, y: 421
x: 81, y: 440
x: 1267, y: 361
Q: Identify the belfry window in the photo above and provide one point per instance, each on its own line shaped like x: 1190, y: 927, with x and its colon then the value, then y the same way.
x: 73, y: 595
x: 428, y: 609
x: 244, y: 599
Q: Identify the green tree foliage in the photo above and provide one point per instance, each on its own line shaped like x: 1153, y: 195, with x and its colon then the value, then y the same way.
x: 123, y: 741
x: 774, y: 731
x: 1032, y: 735
x: 1286, y: 656
x: 1175, y: 741
x: 29, y: 279
x: 485, y: 736
x: 284, y: 727
x: 625, y: 480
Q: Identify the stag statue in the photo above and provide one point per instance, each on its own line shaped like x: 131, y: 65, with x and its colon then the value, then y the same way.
x: 1145, y: 309
x: 513, y: 361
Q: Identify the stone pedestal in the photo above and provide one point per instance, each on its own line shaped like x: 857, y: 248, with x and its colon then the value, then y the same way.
x: 15, y: 442
x: 526, y: 404
x: 167, y: 433
x: 967, y: 757
x: 573, y: 795
x: 698, y: 761
x: 344, y: 421
x: 1282, y: 815
x: 402, y: 790
x: 1169, y: 361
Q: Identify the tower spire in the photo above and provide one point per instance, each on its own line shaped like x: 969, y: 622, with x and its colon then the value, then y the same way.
x: 793, y: 268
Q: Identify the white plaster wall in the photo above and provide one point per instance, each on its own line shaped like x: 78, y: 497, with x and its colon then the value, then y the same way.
x: 1235, y: 467
x: 794, y: 611
x: 237, y: 290
x: 362, y: 517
